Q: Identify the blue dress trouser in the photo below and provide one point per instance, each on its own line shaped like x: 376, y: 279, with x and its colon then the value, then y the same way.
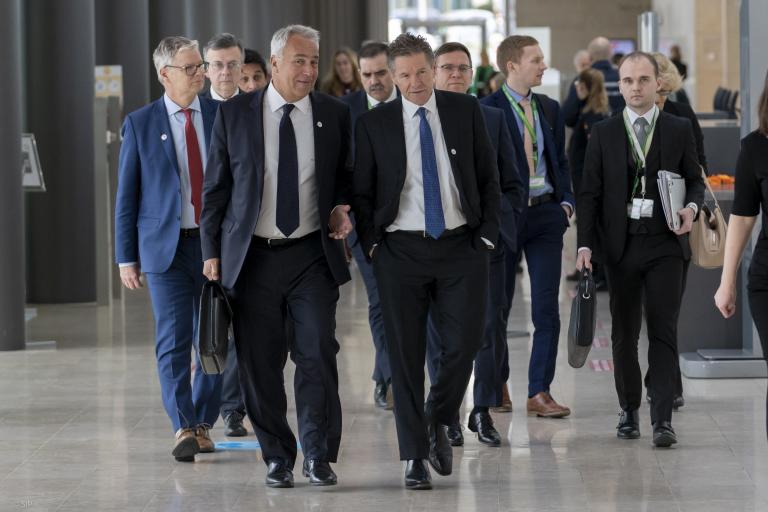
x: 188, y: 400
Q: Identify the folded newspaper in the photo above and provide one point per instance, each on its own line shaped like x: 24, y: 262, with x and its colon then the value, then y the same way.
x: 672, y: 197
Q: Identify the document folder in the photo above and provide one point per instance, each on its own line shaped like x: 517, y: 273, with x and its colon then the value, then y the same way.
x: 672, y: 196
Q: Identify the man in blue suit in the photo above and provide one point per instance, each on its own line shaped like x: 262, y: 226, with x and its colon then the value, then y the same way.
x: 538, y: 133
x: 453, y: 65
x: 276, y: 201
x: 156, y: 232
x: 378, y: 88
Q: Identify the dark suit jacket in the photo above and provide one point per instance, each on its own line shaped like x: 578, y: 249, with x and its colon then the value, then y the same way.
x: 148, y: 202
x: 380, y: 166
x: 603, y: 218
x: 554, y: 143
x: 682, y: 110
x: 510, y: 181
x: 234, y: 179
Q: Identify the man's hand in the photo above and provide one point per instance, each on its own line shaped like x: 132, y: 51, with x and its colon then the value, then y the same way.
x: 686, y: 215
x: 130, y: 276
x: 568, y: 211
x: 584, y: 259
x: 340, y: 223
x: 211, y: 268
x: 725, y: 300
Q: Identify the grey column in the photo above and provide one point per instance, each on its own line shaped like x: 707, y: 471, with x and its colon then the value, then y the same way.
x: 59, y: 101
x: 11, y: 195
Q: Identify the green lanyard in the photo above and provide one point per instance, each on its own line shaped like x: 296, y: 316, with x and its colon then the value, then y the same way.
x: 531, y: 130
x: 639, y: 153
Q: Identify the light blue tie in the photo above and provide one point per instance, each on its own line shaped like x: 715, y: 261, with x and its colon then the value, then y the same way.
x: 434, y: 221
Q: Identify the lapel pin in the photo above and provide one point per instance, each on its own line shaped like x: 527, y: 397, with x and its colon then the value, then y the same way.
x: 319, y: 124
x: 163, y: 137
x: 453, y: 151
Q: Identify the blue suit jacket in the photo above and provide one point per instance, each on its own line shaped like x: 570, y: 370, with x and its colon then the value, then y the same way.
x: 553, y: 128
x: 148, y: 204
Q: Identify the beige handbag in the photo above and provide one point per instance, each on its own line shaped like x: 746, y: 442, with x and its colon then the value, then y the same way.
x: 707, y: 238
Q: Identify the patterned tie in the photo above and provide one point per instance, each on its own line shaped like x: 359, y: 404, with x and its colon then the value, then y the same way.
x: 287, y: 216
x: 527, y: 140
x: 434, y: 221
x: 641, y: 130
x: 195, y: 163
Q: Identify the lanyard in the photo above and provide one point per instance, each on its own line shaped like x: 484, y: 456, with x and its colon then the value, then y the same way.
x: 531, y: 130
x: 639, y: 153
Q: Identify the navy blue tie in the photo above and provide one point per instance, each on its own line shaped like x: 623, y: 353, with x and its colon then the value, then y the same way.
x: 434, y: 220
x: 287, y: 216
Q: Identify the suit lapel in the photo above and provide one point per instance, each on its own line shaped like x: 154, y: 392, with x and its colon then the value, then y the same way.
x: 209, y: 114
x: 256, y: 138
x: 517, y: 138
x: 394, y: 133
x: 160, y: 115
x: 451, y: 135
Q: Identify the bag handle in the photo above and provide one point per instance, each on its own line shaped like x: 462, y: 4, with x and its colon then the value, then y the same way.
x: 586, y: 274
x: 709, y: 188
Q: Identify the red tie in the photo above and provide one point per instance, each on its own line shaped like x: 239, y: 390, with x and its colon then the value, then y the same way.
x: 195, y: 164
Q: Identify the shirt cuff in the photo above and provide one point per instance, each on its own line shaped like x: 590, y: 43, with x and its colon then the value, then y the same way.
x: 488, y: 243
x: 581, y: 249
x: 693, y: 206
x: 129, y: 264
x: 569, y: 205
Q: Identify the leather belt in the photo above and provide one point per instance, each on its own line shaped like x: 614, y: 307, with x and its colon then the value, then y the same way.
x: 543, y: 198
x: 190, y: 233
x: 275, y: 243
x: 448, y: 232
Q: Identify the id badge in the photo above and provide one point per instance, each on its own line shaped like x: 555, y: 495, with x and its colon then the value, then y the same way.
x: 640, y: 208
x: 537, y: 182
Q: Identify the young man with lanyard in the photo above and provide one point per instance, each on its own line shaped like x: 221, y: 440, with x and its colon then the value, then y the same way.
x: 622, y: 225
x: 538, y: 134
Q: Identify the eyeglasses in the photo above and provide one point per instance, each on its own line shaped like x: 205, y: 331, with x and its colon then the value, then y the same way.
x: 191, y: 69
x: 218, y: 66
x: 451, y: 68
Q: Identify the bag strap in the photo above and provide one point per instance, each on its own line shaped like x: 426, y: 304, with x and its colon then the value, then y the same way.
x: 709, y: 188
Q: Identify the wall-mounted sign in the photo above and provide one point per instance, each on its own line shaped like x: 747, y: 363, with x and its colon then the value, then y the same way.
x: 31, y: 171
x: 108, y: 82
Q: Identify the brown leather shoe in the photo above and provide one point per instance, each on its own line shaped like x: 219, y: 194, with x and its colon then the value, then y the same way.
x: 203, y: 436
x: 506, y: 401
x: 185, y: 447
x: 565, y: 408
x: 542, y: 405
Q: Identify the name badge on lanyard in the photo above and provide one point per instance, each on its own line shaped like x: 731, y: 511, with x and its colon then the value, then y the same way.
x: 639, y: 207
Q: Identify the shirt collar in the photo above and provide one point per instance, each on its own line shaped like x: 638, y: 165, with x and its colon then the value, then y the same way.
x: 373, y: 101
x: 173, y: 108
x: 410, y: 108
x: 648, y: 115
x: 518, y: 97
x: 218, y: 97
x: 275, y: 101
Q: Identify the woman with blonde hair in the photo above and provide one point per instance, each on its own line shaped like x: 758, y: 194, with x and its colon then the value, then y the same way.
x: 343, y: 77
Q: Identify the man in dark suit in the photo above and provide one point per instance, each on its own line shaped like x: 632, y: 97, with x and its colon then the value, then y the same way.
x: 427, y: 208
x: 157, y: 212
x: 600, y: 53
x: 453, y: 66
x: 622, y: 225
x: 276, y: 201
x: 378, y: 88
x: 538, y: 134
x: 224, y: 56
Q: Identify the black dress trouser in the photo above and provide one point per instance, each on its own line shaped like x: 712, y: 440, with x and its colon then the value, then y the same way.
x: 413, y: 271
x: 279, y: 286
x: 650, y: 276
x: 757, y: 293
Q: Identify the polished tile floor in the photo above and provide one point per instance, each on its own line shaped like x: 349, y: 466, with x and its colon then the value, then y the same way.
x: 82, y: 428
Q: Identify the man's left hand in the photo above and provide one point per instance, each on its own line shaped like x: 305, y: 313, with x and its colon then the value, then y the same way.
x: 340, y: 223
x: 568, y: 211
x: 686, y: 215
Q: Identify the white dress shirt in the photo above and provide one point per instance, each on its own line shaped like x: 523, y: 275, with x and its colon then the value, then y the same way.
x: 373, y: 101
x: 410, y: 217
x: 216, y: 96
x: 303, y: 127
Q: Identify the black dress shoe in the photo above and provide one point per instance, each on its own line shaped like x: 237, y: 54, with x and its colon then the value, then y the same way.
x: 279, y: 475
x: 678, y: 402
x: 481, y: 423
x: 319, y: 472
x: 440, y: 452
x: 233, y: 425
x: 380, y: 395
x: 417, y: 475
x: 663, y: 435
x: 455, y: 437
x: 629, y: 425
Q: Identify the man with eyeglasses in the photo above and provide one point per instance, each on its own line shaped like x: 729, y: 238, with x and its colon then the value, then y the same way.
x: 224, y: 55
x: 157, y: 211
x: 453, y: 66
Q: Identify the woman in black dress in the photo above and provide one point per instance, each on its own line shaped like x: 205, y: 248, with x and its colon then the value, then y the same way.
x: 751, y: 196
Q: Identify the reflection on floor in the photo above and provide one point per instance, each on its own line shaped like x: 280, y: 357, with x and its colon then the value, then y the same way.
x: 82, y: 428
